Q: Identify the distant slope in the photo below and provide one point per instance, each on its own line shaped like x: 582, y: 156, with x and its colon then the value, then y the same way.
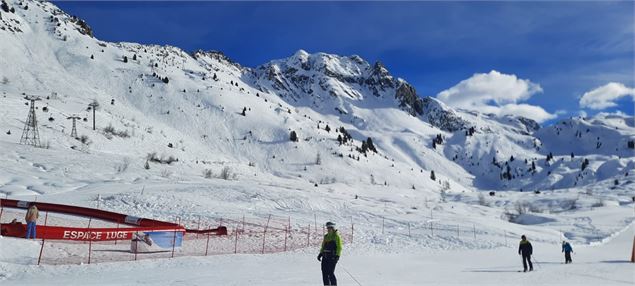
x: 209, y: 111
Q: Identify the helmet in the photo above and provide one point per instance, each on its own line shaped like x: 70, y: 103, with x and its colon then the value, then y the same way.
x: 330, y: 224
x: 523, y: 237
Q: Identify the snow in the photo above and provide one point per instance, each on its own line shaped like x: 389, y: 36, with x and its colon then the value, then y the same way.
x: 592, y: 208
x: 499, y: 266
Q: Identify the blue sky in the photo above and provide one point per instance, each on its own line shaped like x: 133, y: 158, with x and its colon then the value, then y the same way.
x: 566, y: 48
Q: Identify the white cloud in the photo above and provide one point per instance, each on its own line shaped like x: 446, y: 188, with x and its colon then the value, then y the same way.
x: 605, y: 96
x: 496, y: 93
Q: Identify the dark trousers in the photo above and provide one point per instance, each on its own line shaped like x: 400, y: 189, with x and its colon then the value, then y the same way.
x: 527, y: 259
x: 567, y: 257
x: 328, y: 270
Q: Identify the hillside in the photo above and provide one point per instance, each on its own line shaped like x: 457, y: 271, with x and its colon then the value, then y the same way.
x: 308, y: 138
x: 199, y: 112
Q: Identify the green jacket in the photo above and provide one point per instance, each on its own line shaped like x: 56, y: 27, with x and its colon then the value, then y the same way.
x: 332, y: 243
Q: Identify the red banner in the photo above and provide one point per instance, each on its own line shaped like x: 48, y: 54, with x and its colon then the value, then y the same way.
x: 88, y: 212
x: 18, y: 229
x: 79, y: 234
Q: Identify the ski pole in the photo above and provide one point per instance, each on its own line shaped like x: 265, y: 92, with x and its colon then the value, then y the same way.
x: 537, y: 263
x: 351, y: 275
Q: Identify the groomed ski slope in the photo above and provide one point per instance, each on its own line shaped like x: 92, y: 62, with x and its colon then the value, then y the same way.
x: 604, y: 264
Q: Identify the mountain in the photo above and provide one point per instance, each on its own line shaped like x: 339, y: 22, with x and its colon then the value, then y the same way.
x: 210, y: 112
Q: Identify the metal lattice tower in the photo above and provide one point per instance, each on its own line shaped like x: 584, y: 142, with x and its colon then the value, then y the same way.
x: 74, y: 131
x: 30, y: 134
x: 94, y: 105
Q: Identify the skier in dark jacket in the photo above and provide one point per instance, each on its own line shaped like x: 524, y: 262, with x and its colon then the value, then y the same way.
x: 567, y: 249
x: 525, y: 250
x: 330, y: 254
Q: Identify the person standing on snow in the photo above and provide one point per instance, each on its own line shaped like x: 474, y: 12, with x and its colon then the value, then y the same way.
x: 567, y: 249
x: 31, y: 218
x: 330, y: 254
x: 525, y: 250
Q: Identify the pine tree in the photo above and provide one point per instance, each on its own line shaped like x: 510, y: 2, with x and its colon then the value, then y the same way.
x: 327, y: 128
x: 134, y: 57
x: 433, y: 176
x: 585, y: 163
x: 165, y: 80
x: 92, y: 57
x: 371, y: 146
x: 125, y: 59
x: 293, y: 136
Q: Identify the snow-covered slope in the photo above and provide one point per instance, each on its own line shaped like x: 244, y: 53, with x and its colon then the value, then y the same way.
x: 210, y: 112
x: 225, y: 130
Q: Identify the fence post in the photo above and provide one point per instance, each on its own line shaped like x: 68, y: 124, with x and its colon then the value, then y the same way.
x: 352, y: 230
x: 264, y: 235
x: 46, y: 217
x: 174, y: 238
x: 286, y: 233
x: 431, y: 229
x: 308, y: 234
x: 505, y: 237
x: 458, y: 231
x: 382, y: 224
x: 236, y: 241
x: 1, y: 210
x: 409, y: 230
x: 207, y: 243
x: 198, y: 225
x: 243, y: 223
x: 136, y: 245
x: 90, y: 241
x: 474, y: 225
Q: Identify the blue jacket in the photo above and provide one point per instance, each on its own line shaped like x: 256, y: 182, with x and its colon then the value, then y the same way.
x: 566, y: 247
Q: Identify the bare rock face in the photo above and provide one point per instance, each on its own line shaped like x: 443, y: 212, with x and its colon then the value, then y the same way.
x: 531, y: 124
x: 82, y: 26
x: 305, y: 75
x: 408, y: 99
x: 441, y: 116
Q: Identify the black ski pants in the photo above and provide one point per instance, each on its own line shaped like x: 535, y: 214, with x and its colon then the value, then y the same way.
x: 328, y: 270
x: 567, y: 257
x: 527, y: 259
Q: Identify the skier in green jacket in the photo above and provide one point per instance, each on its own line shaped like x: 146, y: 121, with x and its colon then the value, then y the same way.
x: 330, y: 254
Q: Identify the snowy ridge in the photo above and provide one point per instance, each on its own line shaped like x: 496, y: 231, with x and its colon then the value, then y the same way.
x: 304, y: 92
x: 230, y: 128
